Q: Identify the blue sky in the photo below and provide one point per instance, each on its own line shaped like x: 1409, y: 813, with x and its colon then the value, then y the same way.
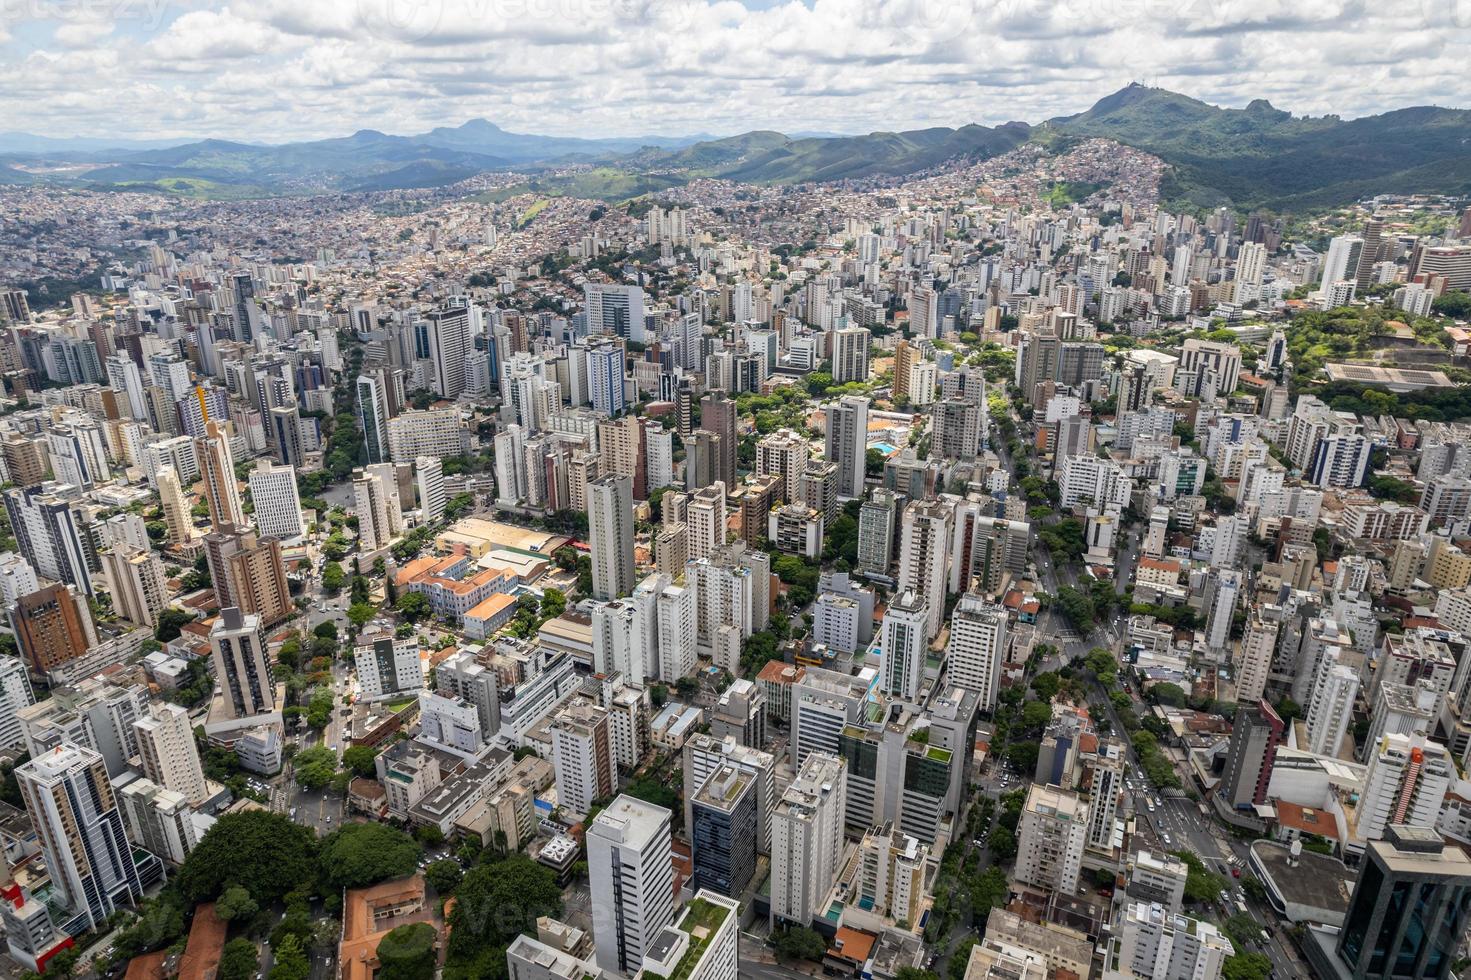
x: 275, y: 70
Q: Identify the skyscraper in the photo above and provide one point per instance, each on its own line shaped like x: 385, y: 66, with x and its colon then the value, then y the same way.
x: 1250, y: 756
x: 807, y: 839
x: 903, y: 643
x: 977, y: 647
x: 53, y: 626
x: 249, y: 572
x: 723, y: 831
x: 170, y: 757
x: 850, y: 355
x: 277, y: 502
x: 615, y: 309
x: 924, y: 556
x: 582, y: 755
x: 217, y: 470
x: 448, y: 342
x: 1407, y: 915
x: 15, y: 694
x: 429, y: 482
x: 719, y: 414
x: 847, y: 442
x: 70, y: 801
x: 631, y: 881
x: 175, y: 510
x: 373, y: 412
x: 238, y: 643
x: 50, y: 532
x: 605, y: 376
x: 610, y: 524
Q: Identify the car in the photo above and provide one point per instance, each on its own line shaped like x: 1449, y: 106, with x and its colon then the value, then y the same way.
x: 1235, y: 872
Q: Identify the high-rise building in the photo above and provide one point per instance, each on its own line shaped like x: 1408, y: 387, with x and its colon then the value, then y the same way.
x: 429, y: 482
x: 924, y: 556
x: 139, y: 585
x: 70, y: 801
x: 704, y: 754
x: 1335, y: 688
x: 376, y: 504
x: 924, y: 314
x: 977, y: 647
x: 50, y: 532
x: 783, y: 454
x: 277, y: 501
x: 615, y: 309
x: 847, y: 442
x: 373, y: 413
x: 53, y: 626
x: 158, y: 820
x: 631, y: 881
x: 807, y: 840
x: 706, y: 520
x: 1152, y: 941
x: 1255, y: 736
x: 462, y: 676
x: 893, y: 875
x: 605, y: 376
x: 248, y: 572
x: 610, y: 525
x: 238, y: 644
x: 1406, y: 916
x: 702, y: 945
x: 1051, y: 838
x: 877, y: 521
x: 850, y: 354
x: 217, y: 470
x: 724, y: 834
x: 386, y: 665
x: 170, y: 757
x: 720, y: 414
x: 1258, y: 645
x: 582, y: 754
x: 15, y: 694
x: 445, y: 336
x: 1405, y: 783
x: 176, y: 512
x: 904, y: 643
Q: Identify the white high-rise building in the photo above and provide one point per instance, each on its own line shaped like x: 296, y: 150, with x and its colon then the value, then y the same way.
x: 1258, y: 645
x: 1405, y: 783
x: 15, y: 694
x: 1342, y: 261
x: 70, y: 801
x: 924, y: 542
x: 807, y: 839
x: 1157, y: 944
x: 176, y: 511
x: 372, y: 505
x: 1051, y: 838
x: 462, y: 676
x: 386, y: 665
x: 170, y: 757
x: 277, y: 502
x: 706, y: 520
x: 582, y: 756
x: 217, y: 468
x: 610, y: 524
x: 850, y: 355
x: 429, y: 480
x: 678, y: 639
x: 447, y: 336
x: 615, y: 309
x: 1335, y: 686
x: 703, y: 945
x: 977, y: 647
x: 631, y: 876
x: 158, y: 820
x: 139, y: 585
x: 903, y: 644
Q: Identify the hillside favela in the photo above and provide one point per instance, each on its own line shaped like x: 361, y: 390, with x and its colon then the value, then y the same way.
x: 713, y: 490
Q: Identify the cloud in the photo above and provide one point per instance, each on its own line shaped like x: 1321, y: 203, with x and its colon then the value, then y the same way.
x: 279, y: 70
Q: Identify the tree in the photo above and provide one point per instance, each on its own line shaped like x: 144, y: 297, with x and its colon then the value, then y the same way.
x: 497, y: 901
x: 553, y: 603
x: 1022, y: 755
x: 1246, y: 966
x: 413, y: 606
x: 1003, y: 844
x: 799, y: 943
x: 1201, y: 884
x: 444, y: 875
x: 314, y: 767
x: 1170, y: 694
x: 407, y: 953
x: 333, y: 577
x: 1046, y: 685
x: 171, y: 623
x: 239, y: 960
x: 264, y: 853
x: 360, y: 612
x: 360, y: 759
x: 291, y: 961
x: 361, y: 854
x: 236, y: 905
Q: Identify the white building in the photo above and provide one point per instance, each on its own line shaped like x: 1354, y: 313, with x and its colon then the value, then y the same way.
x: 702, y: 945
x: 1155, y: 944
x: 15, y: 694
x: 1051, y: 838
x: 277, y: 502
x: 610, y: 512
x: 631, y: 875
x: 386, y: 665
x: 903, y: 644
x: 168, y: 752
x: 807, y: 840
x: 977, y: 647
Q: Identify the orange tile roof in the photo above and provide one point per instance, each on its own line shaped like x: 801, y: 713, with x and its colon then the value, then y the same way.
x: 489, y: 607
x: 853, y: 944
x: 206, y: 943
x: 1307, y: 820
x: 780, y: 672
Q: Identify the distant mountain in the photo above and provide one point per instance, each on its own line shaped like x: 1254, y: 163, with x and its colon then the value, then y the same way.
x: 18, y: 143
x: 1260, y: 156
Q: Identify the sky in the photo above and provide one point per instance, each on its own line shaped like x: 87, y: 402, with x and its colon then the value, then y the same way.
x: 281, y: 70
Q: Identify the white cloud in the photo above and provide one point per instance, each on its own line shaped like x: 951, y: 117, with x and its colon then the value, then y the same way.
x: 299, y: 69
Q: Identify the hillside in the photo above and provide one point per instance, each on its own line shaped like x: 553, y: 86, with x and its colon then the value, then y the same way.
x: 1260, y: 156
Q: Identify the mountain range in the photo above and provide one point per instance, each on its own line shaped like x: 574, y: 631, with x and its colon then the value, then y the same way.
x: 1258, y: 156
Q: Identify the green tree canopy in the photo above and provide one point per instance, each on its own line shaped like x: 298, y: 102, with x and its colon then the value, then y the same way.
x: 264, y: 853
x: 239, y: 960
x: 236, y: 904
x: 444, y: 875
x: 314, y: 767
x: 361, y: 759
x: 499, y: 900
x: 361, y: 854
x: 800, y: 943
x: 407, y: 953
